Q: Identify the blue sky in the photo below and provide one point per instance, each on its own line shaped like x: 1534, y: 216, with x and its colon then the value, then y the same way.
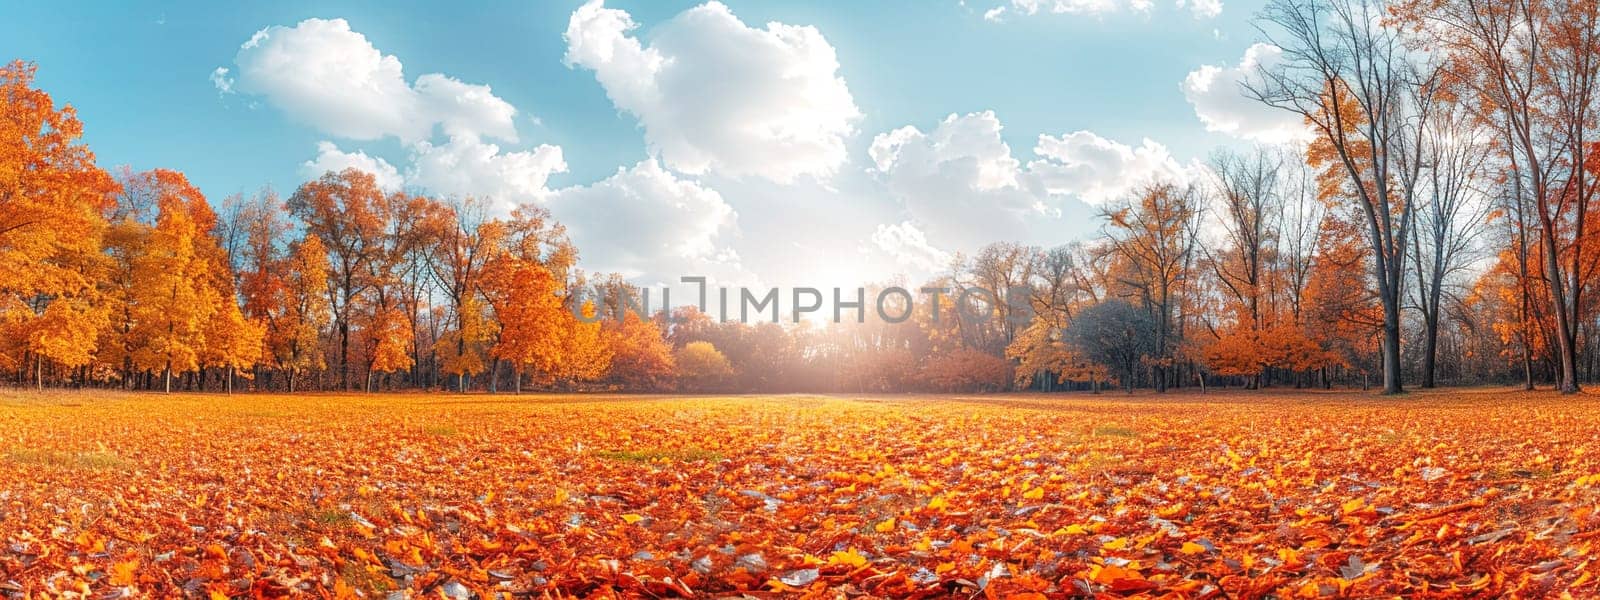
x: 140, y: 76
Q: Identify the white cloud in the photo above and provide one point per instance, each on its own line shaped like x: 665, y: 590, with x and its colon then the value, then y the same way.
x: 1218, y: 100
x: 645, y: 221
x: 1202, y: 9
x: 909, y: 247
x: 323, y: 73
x: 810, y: 232
x: 330, y: 77
x: 465, y: 166
x: 962, y: 186
x: 1088, y: 7
x: 959, y: 182
x: 713, y: 94
x: 968, y: 146
x: 220, y: 79
x: 1099, y: 170
x: 464, y: 109
x: 331, y: 158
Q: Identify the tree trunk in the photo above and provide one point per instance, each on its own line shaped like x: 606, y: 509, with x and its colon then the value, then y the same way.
x: 344, y: 353
x: 1430, y: 348
x: 1527, y: 368
x: 1391, y: 349
x: 1566, y: 347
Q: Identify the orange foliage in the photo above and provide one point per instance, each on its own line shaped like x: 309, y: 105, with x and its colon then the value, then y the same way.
x: 1243, y: 496
x: 967, y: 370
x: 640, y: 358
x: 51, y: 198
x: 532, y: 316
x: 701, y: 366
x: 1247, y: 352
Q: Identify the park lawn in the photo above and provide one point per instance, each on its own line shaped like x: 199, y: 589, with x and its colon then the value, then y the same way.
x: 1478, y: 493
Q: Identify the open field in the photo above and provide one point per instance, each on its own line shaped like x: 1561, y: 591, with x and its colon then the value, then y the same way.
x: 1478, y: 494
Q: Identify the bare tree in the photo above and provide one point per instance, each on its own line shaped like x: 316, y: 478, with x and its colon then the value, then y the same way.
x: 999, y: 268
x: 1452, y: 211
x: 1366, y: 96
x: 1300, y: 218
x: 1247, y: 193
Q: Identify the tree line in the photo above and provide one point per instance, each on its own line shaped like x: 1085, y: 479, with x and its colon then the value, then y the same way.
x: 1435, y: 227
x: 1433, y: 230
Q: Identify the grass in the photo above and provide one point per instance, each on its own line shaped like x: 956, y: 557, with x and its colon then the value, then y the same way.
x: 1122, y: 432
x: 440, y: 431
x: 660, y: 454
x: 264, y: 414
x: 93, y: 460
x: 1519, y: 472
x: 362, y: 578
x: 332, y: 518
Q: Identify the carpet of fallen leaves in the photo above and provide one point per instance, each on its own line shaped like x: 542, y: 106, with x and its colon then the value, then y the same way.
x: 1482, y: 493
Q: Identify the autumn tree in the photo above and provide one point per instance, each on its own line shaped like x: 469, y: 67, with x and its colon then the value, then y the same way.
x: 1528, y: 70
x: 233, y: 343
x: 701, y: 366
x: 349, y: 215
x: 527, y: 300
x: 584, y: 354
x: 172, y: 302
x: 1341, y: 312
x: 1040, y: 349
x: 51, y: 200
x: 1247, y: 202
x: 1246, y: 188
x: 1059, y: 289
x: 464, y: 349
x: 384, y: 314
x: 1154, y: 237
x: 524, y: 277
x: 641, y: 359
x: 230, y: 342
x: 458, y: 251
x: 1500, y: 297
x: 261, y: 222
x: 130, y: 220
